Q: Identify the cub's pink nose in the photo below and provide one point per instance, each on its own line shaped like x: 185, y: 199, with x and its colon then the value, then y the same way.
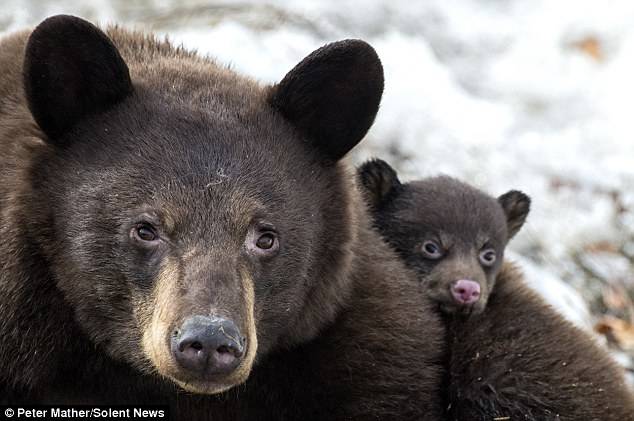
x: 465, y: 291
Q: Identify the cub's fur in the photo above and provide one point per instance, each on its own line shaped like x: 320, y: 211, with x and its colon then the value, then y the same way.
x: 451, y: 233
x: 511, y: 357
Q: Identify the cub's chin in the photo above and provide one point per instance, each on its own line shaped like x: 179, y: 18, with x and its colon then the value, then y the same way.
x: 451, y: 308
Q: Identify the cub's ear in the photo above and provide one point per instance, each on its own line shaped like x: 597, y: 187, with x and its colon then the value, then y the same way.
x: 332, y: 96
x: 71, y: 69
x: 377, y: 181
x: 516, y: 206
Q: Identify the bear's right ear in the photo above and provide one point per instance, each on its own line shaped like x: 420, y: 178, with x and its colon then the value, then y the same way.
x: 377, y: 181
x: 332, y: 96
x: 516, y: 206
x: 71, y: 69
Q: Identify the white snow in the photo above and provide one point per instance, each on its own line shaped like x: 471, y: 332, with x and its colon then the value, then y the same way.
x: 557, y: 293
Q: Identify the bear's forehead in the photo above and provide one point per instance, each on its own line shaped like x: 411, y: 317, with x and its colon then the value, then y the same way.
x: 213, y: 191
x: 153, y: 137
x: 207, y: 174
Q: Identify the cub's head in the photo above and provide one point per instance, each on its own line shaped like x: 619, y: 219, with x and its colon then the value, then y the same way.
x: 452, y: 234
x: 193, y: 219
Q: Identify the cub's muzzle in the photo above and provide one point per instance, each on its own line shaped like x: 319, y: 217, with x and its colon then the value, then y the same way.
x: 465, y: 291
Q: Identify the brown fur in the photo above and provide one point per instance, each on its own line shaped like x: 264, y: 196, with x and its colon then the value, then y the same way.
x: 521, y: 359
x: 460, y: 222
x: 345, y: 337
x: 513, y: 357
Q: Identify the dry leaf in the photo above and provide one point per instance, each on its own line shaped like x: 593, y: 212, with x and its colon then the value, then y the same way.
x: 591, y: 46
x: 617, y: 331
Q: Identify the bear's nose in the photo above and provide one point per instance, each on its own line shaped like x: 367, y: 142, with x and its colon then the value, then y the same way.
x: 465, y: 291
x: 208, y: 345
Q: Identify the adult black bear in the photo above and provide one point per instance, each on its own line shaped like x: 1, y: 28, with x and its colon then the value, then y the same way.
x: 168, y: 225
x: 510, y: 355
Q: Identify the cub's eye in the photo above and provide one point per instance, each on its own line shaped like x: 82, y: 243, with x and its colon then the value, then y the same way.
x: 488, y: 257
x: 266, y: 241
x: 144, y: 232
x: 432, y: 250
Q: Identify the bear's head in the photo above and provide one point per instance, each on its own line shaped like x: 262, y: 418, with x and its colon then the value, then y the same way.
x: 452, y: 234
x: 193, y: 219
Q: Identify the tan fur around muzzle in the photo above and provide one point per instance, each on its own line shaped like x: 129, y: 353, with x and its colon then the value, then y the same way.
x: 156, y: 344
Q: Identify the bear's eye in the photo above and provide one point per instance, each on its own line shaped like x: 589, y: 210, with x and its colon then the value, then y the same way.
x: 432, y: 250
x: 266, y: 241
x: 487, y: 257
x: 145, y: 232
x: 263, y: 242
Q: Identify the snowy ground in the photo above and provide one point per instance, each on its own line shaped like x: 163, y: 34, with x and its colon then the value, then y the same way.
x: 507, y: 94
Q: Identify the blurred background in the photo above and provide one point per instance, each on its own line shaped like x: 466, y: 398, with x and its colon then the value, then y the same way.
x: 505, y: 94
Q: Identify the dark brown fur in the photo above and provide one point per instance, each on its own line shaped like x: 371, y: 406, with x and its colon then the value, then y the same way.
x: 339, y: 334
x: 461, y: 223
x: 521, y: 359
x: 518, y: 359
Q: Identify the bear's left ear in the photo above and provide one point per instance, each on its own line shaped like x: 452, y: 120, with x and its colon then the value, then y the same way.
x: 378, y: 181
x: 332, y: 95
x: 71, y: 69
x: 516, y: 206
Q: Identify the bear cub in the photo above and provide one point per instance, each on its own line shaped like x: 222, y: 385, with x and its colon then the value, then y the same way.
x: 510, y: 356
x: 452, y: 234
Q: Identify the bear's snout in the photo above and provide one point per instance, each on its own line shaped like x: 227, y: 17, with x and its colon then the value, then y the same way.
x: 205, y: 346
x: 465, y: 291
